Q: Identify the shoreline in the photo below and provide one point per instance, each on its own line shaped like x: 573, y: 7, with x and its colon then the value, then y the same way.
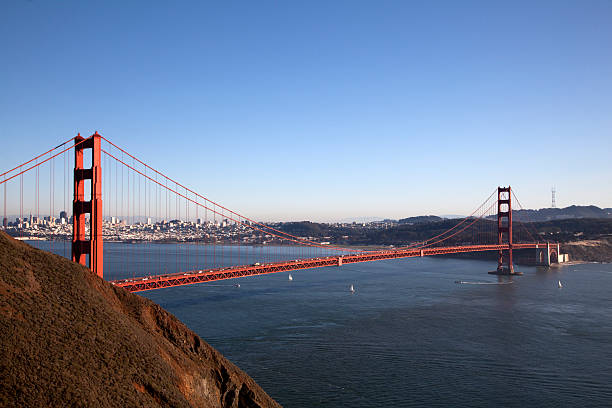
x: 597, y: 257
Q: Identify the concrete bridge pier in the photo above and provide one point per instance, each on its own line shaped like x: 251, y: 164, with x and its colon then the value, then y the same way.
x: 549, y: 254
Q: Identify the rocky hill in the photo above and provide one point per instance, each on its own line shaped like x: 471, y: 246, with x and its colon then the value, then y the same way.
x: 71, y: 339
x: 599, y: 250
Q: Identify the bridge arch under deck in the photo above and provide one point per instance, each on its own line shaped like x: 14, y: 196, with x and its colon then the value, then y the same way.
x: 547, y: 254
x: 554, y: 257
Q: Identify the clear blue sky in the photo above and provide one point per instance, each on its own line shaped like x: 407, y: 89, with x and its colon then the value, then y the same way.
x: 324, y: 110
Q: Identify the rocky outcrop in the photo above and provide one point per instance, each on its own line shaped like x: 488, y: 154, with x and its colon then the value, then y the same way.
x: 598, y: 250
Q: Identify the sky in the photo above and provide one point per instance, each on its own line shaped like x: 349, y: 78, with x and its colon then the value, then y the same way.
x: 324, y: 110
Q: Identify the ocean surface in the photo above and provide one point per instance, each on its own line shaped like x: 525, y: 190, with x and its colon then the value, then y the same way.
x: 410, y: 335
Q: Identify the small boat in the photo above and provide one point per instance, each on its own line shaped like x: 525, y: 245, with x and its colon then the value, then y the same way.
x: 237, y: 285
x: 560, y: 285
x: 290, y: 277
x: 352, y: 289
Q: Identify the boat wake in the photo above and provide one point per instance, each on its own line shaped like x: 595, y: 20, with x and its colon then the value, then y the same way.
x: 483, y: 283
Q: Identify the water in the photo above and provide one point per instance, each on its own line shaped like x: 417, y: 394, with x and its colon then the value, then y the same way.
x: 410, y: 335
x: 123, y: 261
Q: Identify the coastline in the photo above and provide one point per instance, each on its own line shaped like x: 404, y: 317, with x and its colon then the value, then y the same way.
x: 579, y: 251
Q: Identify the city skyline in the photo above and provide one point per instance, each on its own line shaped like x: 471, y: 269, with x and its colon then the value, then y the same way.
x: 294, y: 112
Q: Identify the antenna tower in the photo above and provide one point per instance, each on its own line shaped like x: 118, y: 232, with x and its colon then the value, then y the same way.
x: 554, y: 201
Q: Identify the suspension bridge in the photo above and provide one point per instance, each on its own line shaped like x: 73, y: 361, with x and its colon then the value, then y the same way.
x: 189, y: 238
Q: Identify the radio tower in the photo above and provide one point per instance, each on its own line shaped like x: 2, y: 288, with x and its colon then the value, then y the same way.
x: 554, y: 202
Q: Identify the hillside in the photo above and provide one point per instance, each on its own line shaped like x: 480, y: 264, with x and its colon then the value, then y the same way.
x: 71, y: 339
x: 420, y: 219
x: 589, y: 250
x: 566, y: 231
x: 572, y: 229
x: 549, y: 214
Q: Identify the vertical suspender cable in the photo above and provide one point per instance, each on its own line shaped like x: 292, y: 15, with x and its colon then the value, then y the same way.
x: 177, y: 217
x: 21, y: 206
x: 197, y: 236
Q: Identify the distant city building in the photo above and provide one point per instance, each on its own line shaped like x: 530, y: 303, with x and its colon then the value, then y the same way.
x: 63, y: 215
x: 49, y: 220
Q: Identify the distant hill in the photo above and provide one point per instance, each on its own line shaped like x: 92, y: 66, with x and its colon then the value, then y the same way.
x: 361, y: 219
x: 549, y: 214
x: 420, y: 219
x: 572, y: 229
x: 71, y: 339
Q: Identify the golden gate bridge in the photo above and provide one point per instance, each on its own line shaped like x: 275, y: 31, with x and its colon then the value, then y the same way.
x: 132, y: 201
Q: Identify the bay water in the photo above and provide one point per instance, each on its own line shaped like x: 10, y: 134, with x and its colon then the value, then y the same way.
x: 416, y: 332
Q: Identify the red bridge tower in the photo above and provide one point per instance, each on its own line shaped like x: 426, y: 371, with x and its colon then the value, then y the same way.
x: 92, y: 245
x: 504, y: 231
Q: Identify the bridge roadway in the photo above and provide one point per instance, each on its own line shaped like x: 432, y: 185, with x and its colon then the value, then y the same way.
x: 209, y: 275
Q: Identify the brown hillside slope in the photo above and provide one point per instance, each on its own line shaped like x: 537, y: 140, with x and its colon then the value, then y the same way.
x: 597, y: 250
x: 67, y: 338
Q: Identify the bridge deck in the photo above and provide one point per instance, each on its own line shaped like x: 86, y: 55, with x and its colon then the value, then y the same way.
x: 208, y: 275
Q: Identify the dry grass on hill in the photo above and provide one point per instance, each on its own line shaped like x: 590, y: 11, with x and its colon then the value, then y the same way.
x: 599, y: 250
x: 71, y: 339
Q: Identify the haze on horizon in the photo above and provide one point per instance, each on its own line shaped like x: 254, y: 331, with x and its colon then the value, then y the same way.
x: 325, y: 110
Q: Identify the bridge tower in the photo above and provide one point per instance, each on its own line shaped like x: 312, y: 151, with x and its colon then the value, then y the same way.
x: 504, y: 231
x: 92, y: 245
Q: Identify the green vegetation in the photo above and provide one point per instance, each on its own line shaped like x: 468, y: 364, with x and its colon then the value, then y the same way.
x: 569, y: 230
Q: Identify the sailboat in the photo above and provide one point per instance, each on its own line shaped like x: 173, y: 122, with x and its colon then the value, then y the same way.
x: 290, y: 277
x: 352, y: 289
x: 560, y: 285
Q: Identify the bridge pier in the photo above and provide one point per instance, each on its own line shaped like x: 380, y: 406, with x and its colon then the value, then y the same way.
x: 547, y: 254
